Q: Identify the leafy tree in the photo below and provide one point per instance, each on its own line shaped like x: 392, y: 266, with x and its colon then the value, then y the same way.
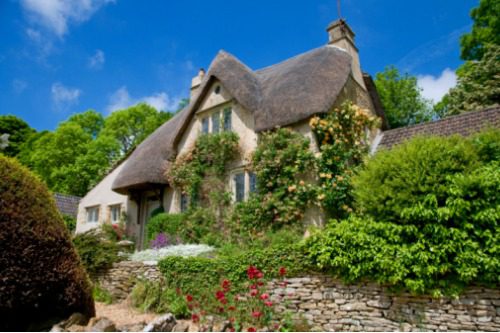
x: 90, y: 121
x: 478, y: 85
x: 131, y: 126
x: 19, y: 132
x: 401, y: 98
x: 486, y: 30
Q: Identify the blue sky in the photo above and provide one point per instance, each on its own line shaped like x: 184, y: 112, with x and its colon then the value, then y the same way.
x: 59, y: 57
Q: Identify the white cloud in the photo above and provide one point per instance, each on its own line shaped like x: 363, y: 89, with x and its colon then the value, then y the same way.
x: 97, y: 60
x: 64, y: 96
x: 56, y: 15
x: 435, y: 87
x: 121, y: 99
x: 19, y: 86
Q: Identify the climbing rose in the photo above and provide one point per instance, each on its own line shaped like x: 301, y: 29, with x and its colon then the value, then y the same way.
x: 253, y: 292
x: 226, y: 284
x: 219, y: 295
x: 282, y: 271
x: 251, y: 329
x: 195, y: 318
x: 268, y: 303
x: 264, y: 296
x: 189, y: 298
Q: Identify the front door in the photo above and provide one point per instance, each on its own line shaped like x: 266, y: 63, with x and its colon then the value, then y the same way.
x: 149, y: 204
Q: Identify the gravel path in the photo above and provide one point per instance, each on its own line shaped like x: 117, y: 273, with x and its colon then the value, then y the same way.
x: 123, y: 313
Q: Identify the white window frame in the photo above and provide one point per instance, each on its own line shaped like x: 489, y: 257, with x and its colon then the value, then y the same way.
x: 111, y: 217
x: 246, y: 183
x: 92, y: 212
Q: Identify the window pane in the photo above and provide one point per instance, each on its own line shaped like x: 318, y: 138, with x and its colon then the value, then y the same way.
x: 204, y: 125
x: 215, y: 122
x: 239, y: 184
x: 253, y: 181
x: 93, y: 214
x: 184, y: 202
x: 227, y: 119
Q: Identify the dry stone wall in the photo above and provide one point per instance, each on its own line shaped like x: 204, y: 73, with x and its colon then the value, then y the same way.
x: 331, y: 305
x: 121, y: 278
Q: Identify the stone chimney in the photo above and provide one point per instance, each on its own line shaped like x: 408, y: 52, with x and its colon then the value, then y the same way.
x: 196, y: 82
x: 341, y: 35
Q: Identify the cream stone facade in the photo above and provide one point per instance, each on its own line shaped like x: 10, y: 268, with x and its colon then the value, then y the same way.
x: 102, y: 205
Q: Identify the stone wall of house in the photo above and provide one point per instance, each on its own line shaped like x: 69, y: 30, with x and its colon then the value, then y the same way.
x: 121, y: 278
x: 331, y: 305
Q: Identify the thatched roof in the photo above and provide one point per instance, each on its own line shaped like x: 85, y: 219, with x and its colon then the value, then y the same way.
x: 147, y: 164
x: 279, y: 95
x: 463, y: 124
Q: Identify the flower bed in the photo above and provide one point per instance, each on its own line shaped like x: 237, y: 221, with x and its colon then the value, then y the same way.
x: 184, y: 250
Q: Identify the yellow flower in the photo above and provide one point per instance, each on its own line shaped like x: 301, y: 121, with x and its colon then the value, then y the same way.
x: 321, y: 197
x: 292, y: 188
x: 329, y: 176
x: 301, y: 183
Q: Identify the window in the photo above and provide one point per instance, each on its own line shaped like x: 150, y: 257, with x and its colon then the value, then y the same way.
x: 115, y: 211
x: 184, y: 202
x: 239, y: 186
x: 93, y: 214
x: 217, y: 90
x: 216, y: 122
x: 204, y: 125
x: 252, y: 179
x: 227, y: 119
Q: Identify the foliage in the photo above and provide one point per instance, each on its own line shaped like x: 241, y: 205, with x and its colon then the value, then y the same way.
x: 250, y: 310
x: 194, y: 274
x: 42, y: 278
x: 102, y: 295
x: 69, y: 222
x: 209, y: 156
x: 19, y: 132
x: 75, y: 156
x: 157, y: 297
x: 96, y: 252
x: 343, y: 142
x: 401, y: 98
x: 485, y: 30
x: 404, y: 176
x: 182, y: 250
x: 281, y: 158
x: 431, y: 218
x: 170, y: 224
x: 132, y: 125
x: 478, y: 84
x: 114, y: 232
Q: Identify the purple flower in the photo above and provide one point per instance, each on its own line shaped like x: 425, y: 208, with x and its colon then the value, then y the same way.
x: 160, y: 241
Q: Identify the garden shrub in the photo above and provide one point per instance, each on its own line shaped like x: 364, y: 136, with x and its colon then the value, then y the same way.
x: 403, y: 177
x: 156, y: 297
x: 42, y: 280
x: 431, y: 225
x: 102, y: 295
x: 195, y: 274
x: 69, y: 222
x: 96, y: 252
x: 169, y: 224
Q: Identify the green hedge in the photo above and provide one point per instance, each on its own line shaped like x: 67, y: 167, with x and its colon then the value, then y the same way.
x: 431, y: 218
x: 196, y: 274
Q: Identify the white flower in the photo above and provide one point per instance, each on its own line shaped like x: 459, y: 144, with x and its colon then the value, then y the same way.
x: 184, y: 250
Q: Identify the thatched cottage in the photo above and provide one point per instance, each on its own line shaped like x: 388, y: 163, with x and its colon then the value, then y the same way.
x: 232, y: 97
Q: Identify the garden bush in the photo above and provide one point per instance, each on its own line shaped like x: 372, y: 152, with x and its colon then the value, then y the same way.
x: 195, y: 274
x: 97, y: 253
x: 431, y: 219
x: 169, y: 224
x: 157, y: 297
x: 42, y: 280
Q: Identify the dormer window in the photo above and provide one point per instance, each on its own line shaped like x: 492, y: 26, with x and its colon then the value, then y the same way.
x: 217, y: 90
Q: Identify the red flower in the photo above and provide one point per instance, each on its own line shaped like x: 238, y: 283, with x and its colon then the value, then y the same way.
x: 221, y: 309
x: 260, y: 275
x: 253, y: 286
x: 253, y: 292
x: 268, y: 303
x: 260, y: 283
x: 226, y: 284
x: 223, y: 300
x: 253, y: 272
x: 189, y: 298
x: 282, y: 271
x: 251, y: 329
x: 264, y: 296
x: 231, y: 329
x: 195, y: 318
x: 220, y: 295
x: 256, y: 314
x: 231, y: 308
